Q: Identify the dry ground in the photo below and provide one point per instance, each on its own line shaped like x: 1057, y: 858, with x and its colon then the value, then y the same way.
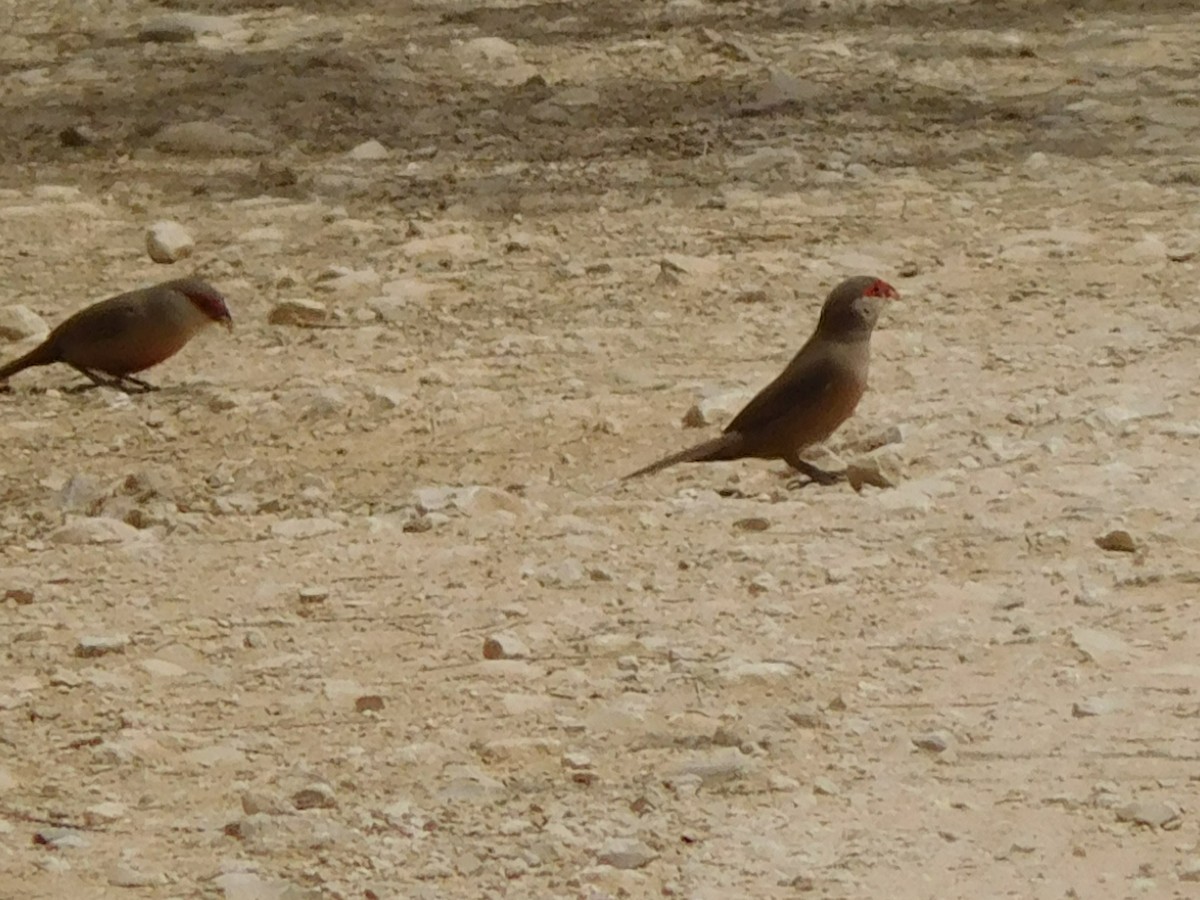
x: 946, y: 689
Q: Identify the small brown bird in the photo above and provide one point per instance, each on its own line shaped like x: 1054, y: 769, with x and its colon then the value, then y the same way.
x: 129, y: 333
x: 813, y: 396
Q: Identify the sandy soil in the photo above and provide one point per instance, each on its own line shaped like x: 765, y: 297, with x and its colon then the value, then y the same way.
x: 273, y: 684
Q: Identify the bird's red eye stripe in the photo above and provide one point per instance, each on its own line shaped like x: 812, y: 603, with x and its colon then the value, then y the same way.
x: 882, y: 289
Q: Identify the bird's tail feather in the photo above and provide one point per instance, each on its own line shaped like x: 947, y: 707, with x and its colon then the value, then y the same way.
x: 41, y: 355
x: 725, y: 446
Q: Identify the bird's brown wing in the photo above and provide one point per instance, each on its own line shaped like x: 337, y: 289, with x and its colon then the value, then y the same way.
x: 104, y: 321
x: 806, y: 383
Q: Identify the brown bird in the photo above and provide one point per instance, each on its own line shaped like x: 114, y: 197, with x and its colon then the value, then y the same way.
x: 129, y: 333
x: 813, y: 396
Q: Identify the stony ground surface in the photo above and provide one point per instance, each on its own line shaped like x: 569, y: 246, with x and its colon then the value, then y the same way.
x: 245, y: 617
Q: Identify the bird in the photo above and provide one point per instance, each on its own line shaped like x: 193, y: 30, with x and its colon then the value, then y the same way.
x: 112, y: 339
x: 812, y: 397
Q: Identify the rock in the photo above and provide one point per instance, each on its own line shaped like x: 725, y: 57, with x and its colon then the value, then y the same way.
x: 301, y: 529
x: 369, y: 151
x: 298, y: 313
x: 94, y: 531
x: 715, y: 409
x: 675, y: 268
x: 19, y: 596
x: 368, y: 703
x: 207, y: 139
x: 933, y: 741
x: 20, y: 323
x: 728, y: 764
x: 1093, y: 706
x: 315, y: 796
x: 122, y: 874
x: 1117, y: 541
x: 565, y: 573
x: 259, y: 803
x: 755, y: 672
x: 625, y: 853
x: 753, y: 523
x: 826, y: 787
x: 504, y: 646
x: 104, y: 813
x: 340, y: 280
x: 449, y: 249
x: 60, y: 838
x: 1099, y: 646
x: 92, y: 646
x: 182, y: 27
x: 1153, y: 813
x: 494, y: 60
x: 168, y: 242
x: 1190, y: 870
x: 881, y: 469
x: 80, y: 135
x: 781, y: 89
x: 250, y: 886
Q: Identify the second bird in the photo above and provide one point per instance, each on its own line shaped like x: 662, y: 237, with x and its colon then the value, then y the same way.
x: 813, y: 396
x: 111, y: 340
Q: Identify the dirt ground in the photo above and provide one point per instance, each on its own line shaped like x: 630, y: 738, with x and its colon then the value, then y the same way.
x: 245, y: 616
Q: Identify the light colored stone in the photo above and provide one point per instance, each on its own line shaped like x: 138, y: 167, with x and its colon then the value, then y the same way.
x: 369, y: 151
x: 20, y: 323
x: 625, y: 853
x: 208, y: 139
x: 94, y: 531
x: 168, y: 242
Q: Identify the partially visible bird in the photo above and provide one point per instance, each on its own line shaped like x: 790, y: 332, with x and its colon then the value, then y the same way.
x: 129, y: 333
x: 813, y: 396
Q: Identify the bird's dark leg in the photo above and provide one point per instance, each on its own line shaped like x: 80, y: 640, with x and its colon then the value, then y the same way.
x: 142, y: 386
x: 812, y: 474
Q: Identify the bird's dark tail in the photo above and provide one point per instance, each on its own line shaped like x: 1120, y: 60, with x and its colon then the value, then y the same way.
x: 41, y: 355
x: 726, y: 446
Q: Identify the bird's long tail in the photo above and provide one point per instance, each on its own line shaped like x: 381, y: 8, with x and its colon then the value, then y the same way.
x: 41, y: 355
x: 726, y: 446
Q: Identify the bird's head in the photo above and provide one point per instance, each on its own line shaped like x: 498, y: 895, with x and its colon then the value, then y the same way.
x: 853, y: 307
x: 207, y: 299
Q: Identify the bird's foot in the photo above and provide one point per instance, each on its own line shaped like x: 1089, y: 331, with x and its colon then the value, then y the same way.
x: 812, y: 475
x: 131, y: 385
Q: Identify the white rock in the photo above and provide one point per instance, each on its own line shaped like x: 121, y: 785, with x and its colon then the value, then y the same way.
x: 369, y: 151
x: 207, y: 138
x: 19, y: 323
x: 168, y: 242
x: 94, y: 531
x: 1100, y: 647
x: 625, y: 853
x: 104, y: 813
x: 122, y: 874
x: 716, y: 408
x: 881, y: 469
